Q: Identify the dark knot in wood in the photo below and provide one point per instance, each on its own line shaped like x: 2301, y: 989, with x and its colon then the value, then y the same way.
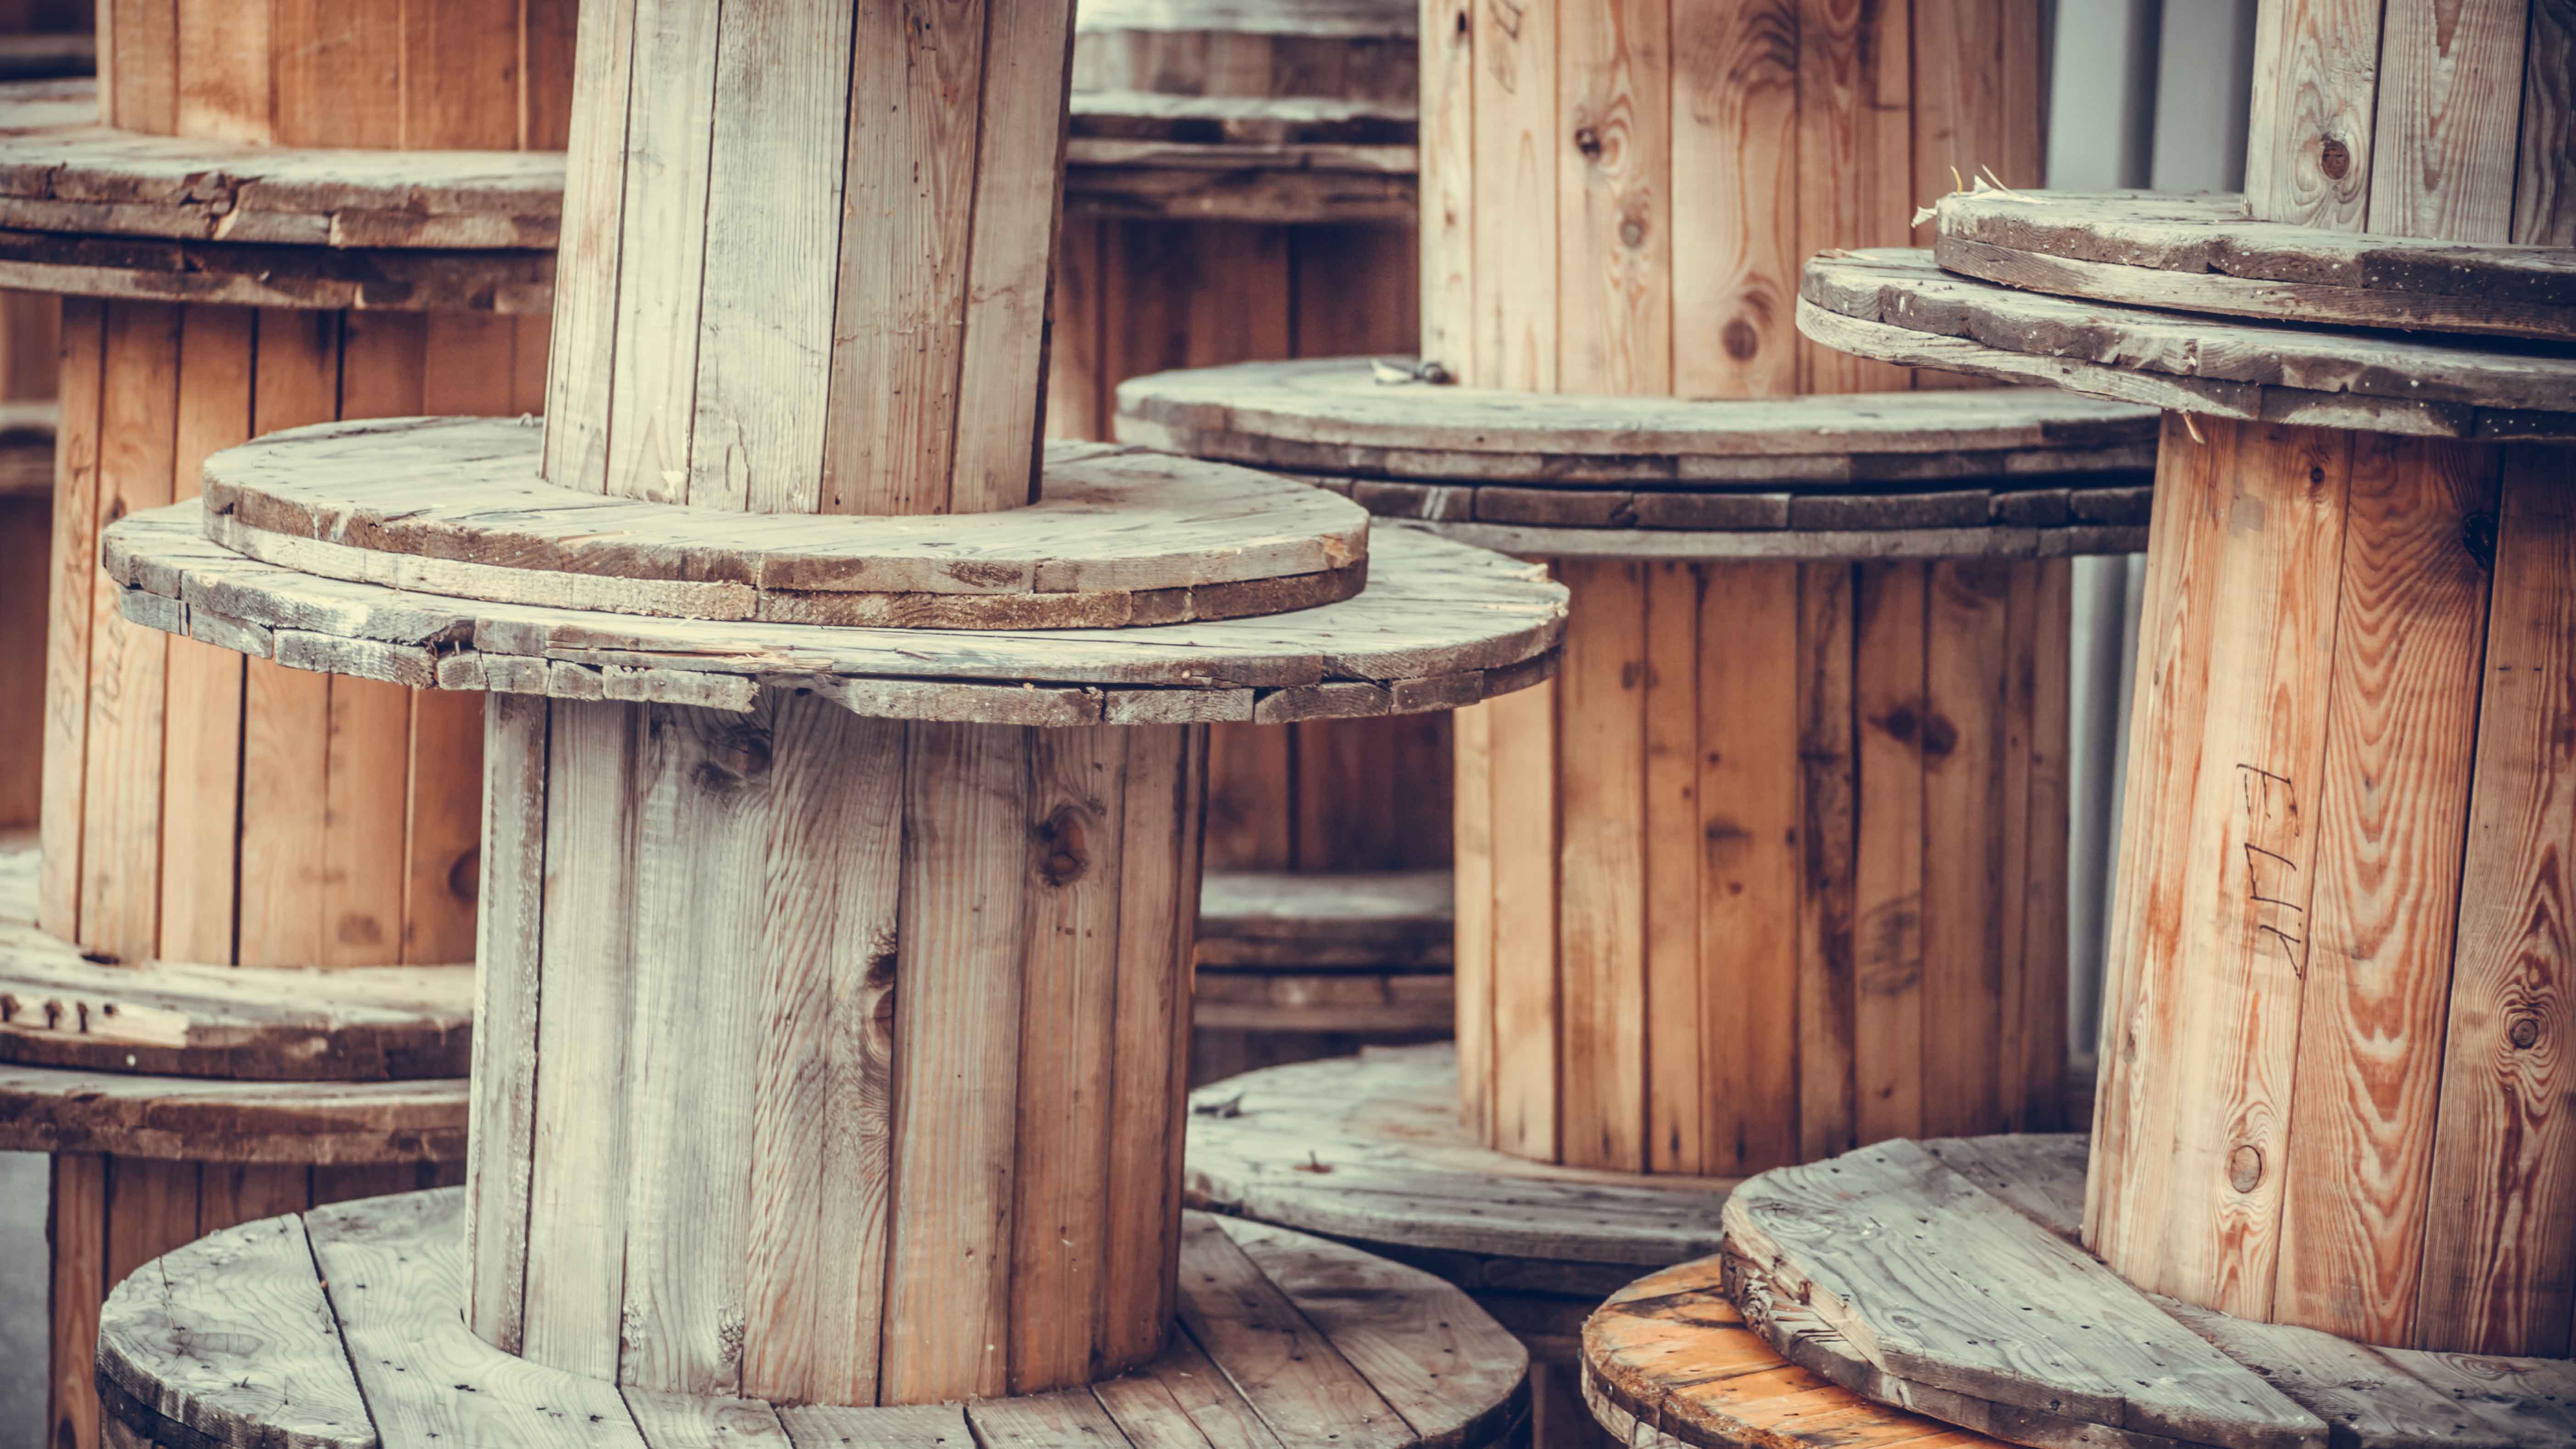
x: 1587, y: 139
x: 1899, y: 723
x: 2478, y: 536
x: 1940, y: 736
x: 740, y: 758
x: 2334, y: 158
x: 2523, y: 1031
x: 465, y: 876
x: 2245, y: 1167
x: 1740, y: 340
x: 1064, y: 846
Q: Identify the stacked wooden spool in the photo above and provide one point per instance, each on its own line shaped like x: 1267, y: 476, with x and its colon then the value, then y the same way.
x: 257, y: 218
x: 845, y: 758
x: 2331, y: 1191
x: 1239, y: 186
x: 1776, y: 865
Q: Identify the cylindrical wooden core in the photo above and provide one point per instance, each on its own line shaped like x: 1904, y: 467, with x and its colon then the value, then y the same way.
x: 2337, y: 1045
x: 199, y: 806
x: 806, y: 251
x: 1776, y: 865
x: 1135, y: 295
x: 830, y: 1059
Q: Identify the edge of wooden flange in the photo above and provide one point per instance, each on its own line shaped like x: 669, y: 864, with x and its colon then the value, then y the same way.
x: 27, y: 449
x: 311, y: 1329
x: 200, y: 1119
x: 1308, y: 921
x: 1895, y: 305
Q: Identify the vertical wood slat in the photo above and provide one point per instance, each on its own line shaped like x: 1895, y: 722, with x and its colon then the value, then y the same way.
x: 1080, y: 397
x: 76, y: 1227
x: 1515, y: 276
x: 502, y: 1107
x: 68, y: 626
x: 2042, y: 910
x: 1601, y: 785
x: 138, y: 66
x: 1472, y: 883
x: 1735, y: 244
x: 1528, y: 994
x: 591, y: 255
x: 338, y: 73
x: 2447, y: 116
x: 1855, y: 155
x: 2497, y: 1275
x: 822, y: 1126
x: 1446, y: 139
x: 2544, y: 193
x: 1888, y: 1011
x: 2393, y: 802
x: 1827, y: 814
x: 1676, y: 1122
x: 956, y: 1080
x: 1614, y: 295
x: 2308, y: 152
x: 1963, y: 854
x: 226, y: 85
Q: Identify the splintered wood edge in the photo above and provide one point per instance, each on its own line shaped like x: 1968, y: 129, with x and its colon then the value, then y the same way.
x: 2336, y: 1381
x: 243, y: 1337
x: 1268, y: 670
x: 455, y: 506
x: 60, y: 171
x: 2204, y: 253
x: 1294, y: 1145
x: 1700, y: 1342
x: 197, y: 1119
x: 1858, y: 302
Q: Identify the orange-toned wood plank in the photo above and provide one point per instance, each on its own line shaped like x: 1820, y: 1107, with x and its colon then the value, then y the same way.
x: 1517, y: 132
x: 339, y: 73
x: 2043, y: 922
x: 460, y: 67
x: 1887, y: 870
x: 1855, y: 154
x: 74, y: 563
x: 1528, y: 991
x: 2308, y: 152
x: 76, y: 1229
x: 1601, y: 909
x: 1473, y: 881
x: 1965, y: 997
x: 225, y: 64
x: 1676, y: 1080
x: 1614, y: 289
x: 26, y: 531
x: 1735, y: 226
x: 230, y: 1193
x: 1356, y: 290
x: 1828, y: 801
x: 1078, y: 395
x: 1371, y: 794
x: 1252, y: 797
x: 138, y: 65
x: 548, y: 31
x: 2447, y: 119
x: 1447, y: 140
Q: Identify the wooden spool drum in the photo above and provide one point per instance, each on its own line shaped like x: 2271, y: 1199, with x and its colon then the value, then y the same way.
x: 201, y: 810
x: 1239, y: 187
x: 1294, y: 966
x: 835, y: 950
x: 1778, y: 865
x: 2335, y: 1054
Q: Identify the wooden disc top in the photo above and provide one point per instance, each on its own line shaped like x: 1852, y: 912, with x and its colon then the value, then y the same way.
x: 454, y: 506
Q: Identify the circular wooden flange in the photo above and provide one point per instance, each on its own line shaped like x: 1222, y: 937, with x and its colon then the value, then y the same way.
x: 1946, y: 1277
x: 1669, y: 1361
x: 197, y: 1119
x: 1440, y: 626
x: 1368, y: 1149
x: 1994, y: 473
x: 27, y: 448
x: 315, y: 1329
x: 2204, y: 253
x: 1897, y: 306
x: 1292, y: 966
x: 90, y: 210
x: 455, y: 506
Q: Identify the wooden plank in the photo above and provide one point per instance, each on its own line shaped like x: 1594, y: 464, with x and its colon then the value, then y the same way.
x: 1735, y: 227
x: 1855, y: 155
x: 1890, y: 701
x: 1828, y: 815
x: 1676, y: 1076
x: 1749, y: 714
x: 225, y: 86
x: 2493, y: 1276
x: 1965, y: 892
x: 1182, y: 1401
x: 2447, y: 116
x: 1476, y: 948
x: 548, y: 32
x: 899, y: 346
x: 76, y: 1231
x: 461, y: 81
x: 821, y: 1166
x: 2308, y: 152
x: 338, y: 76
x: 1252, y: 797
x: 1615, y: 319
x: 26, y: 533
x: 138, y: 66
x: 511, y: 926
x: 584, y: 324
x: 690, y: 1421
x: 201, y: 749
x: 1516, y: 214
x: 2390, y: 814
x: 1447, y: 138
x: 2544, y: 198
x: 232, y: 1193
x: 956, y: 1079
x: 1149, y: 1026
x: 2046, y: 671
x: 1043, y: 1421
x: 1526, y: 834
x: 662, y: 251
x: 1601, y: 965
x: 924, y: 1426
x: 1079, y: 397
x: 71, y: 616
x: 121, y: 801
x: 1283, y: 1366
x: 576, y: 1235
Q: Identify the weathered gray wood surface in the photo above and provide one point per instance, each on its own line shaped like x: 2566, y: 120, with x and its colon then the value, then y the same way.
x: 1334, y: 416
x: 1367, y: 1149
x: 197, y: 1119
x: 1944, y: 1277
x: 2204, y: 253
x: 1438, y: 627
x: 1897, y: 306
x: 456, y: 506
x: 358, y: 1344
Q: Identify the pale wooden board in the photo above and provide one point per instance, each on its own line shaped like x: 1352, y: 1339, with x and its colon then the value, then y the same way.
x: 62, y: 171
x: 1333, y: 415
x: 456, y: 506
x: 1440, y: 626
x: 1368, y: 1149
x: 1897, y: 305
x: 1308, y: 921
x: 43, y: 1109
x: 1286, y: 1337
x: 2204, y: 253
x: 2360, y: 1396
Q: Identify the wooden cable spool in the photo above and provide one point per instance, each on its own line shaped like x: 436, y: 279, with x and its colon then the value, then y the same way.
x: 833, y: 987
x: 1239, y: 186
x: 2332, y: 1091
x: 254, y: 221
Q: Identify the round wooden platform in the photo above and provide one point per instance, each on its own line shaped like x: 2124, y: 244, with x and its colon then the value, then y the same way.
x: 340, y: 1328
x: 1293, y: 966
x: 1669, y: 1361
x: 1439, y: 626
x: 90, y: 210
x: 1897, y: 306
x: 198, y: 1119
x: 456, y: 506
x: 1946, y: 1277
x: 2205, y: 253
x: 1897, y: 475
